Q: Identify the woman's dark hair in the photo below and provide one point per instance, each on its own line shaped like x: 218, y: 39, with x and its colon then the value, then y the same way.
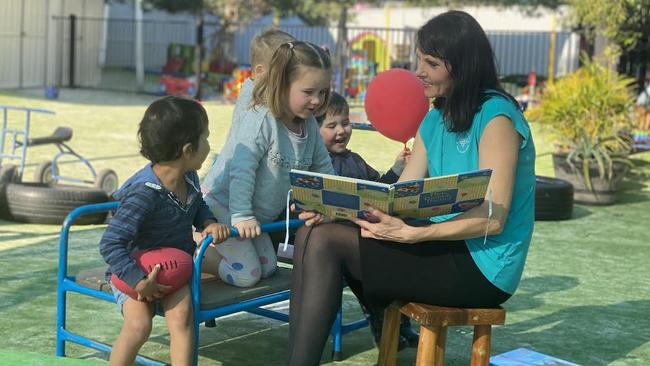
x: 337, y: 106
x: 168, y: 124
x: 458, y: 39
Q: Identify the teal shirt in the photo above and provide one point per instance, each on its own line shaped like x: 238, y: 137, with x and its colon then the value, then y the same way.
x: 501, y: 259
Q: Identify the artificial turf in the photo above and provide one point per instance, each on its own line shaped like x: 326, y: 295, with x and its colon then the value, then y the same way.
x: 584, y: 296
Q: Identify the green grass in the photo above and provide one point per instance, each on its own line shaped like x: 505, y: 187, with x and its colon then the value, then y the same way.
x: 584, y: 296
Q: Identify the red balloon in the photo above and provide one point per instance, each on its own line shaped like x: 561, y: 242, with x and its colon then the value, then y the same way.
x: 395, y: 104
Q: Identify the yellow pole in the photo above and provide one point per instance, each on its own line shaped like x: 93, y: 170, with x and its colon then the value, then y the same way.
x: 551, y: 52
x: 276, y: 20
x: 387, y: 38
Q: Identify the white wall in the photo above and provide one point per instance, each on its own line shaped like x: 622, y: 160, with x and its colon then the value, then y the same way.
x: 33, y: 51
x: 23, y: 31
x: 87, y: 42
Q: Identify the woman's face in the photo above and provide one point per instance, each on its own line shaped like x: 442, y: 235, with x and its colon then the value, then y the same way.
x: 433, y: 73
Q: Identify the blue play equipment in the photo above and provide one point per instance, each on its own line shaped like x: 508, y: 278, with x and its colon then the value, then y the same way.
x: 47, y: 172
x: 206, y: 304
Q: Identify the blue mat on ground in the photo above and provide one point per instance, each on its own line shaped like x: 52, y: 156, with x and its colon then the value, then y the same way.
x: 527, y: 357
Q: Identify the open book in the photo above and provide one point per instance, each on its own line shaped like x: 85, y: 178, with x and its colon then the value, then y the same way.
x: 345, y: 198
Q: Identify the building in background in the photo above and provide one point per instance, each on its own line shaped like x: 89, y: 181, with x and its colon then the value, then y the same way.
x: 34, y: 43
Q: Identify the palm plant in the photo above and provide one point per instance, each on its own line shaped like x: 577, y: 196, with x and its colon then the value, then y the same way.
x: 588, y: 115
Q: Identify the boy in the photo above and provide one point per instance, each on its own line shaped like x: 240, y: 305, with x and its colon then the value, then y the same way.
x: 336, y: 130
x: 158, y: 207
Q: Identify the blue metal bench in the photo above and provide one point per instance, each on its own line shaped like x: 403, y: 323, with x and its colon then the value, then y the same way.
x: 211, y: 299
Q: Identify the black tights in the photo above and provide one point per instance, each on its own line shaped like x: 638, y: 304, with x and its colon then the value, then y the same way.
x: 327, y: 252
x: 322, y: 255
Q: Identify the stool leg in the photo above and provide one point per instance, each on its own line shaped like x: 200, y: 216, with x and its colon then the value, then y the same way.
x: 431, y: 348
x: 440, y: 347
x: 389, y: 337
x: 481, y: 345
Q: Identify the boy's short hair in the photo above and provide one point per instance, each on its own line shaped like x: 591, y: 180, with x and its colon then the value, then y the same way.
x: 168, y: 124
x: 265, y: 43
x: 337, y: 106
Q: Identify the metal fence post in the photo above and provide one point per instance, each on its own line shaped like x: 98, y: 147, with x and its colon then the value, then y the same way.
x: 73, y: 26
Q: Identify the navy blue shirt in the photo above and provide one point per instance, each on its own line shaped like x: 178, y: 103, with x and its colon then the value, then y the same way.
x: 352, y: 165
x: 150, y: 216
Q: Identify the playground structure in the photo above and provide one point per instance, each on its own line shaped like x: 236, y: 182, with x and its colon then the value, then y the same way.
x: 45, y: 201
x: 211, y: 298
x: 232, y: 86
x: 368, y: 56
x: 48, y: 171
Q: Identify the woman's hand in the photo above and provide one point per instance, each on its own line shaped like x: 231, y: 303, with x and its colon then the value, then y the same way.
x: 309, y: 217
x: 387, y: 227
x: 248, y: 229
x: 219, y: 232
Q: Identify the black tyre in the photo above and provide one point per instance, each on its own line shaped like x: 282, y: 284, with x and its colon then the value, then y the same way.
x: 8, y: 174
x: 553, y: 199
x: 39, y: 203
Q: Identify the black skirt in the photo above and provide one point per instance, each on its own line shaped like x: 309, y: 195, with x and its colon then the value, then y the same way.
x: 439, y: 273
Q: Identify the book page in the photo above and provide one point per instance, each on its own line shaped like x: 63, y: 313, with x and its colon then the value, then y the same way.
x: 338, y: 197
x: 437, y: 196
x: 346, y: 198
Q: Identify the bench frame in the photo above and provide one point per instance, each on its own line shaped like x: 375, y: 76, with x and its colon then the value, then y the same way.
x: 67, y: 283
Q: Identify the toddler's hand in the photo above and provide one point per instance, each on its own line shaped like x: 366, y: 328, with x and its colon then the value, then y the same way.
x: 309, y: 217
x: 248, y: 229
x: 149, y: 289
x: 401, y: 160
x: 219, y: 232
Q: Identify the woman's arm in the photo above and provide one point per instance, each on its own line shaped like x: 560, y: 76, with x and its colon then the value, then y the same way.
x: 498, y: 150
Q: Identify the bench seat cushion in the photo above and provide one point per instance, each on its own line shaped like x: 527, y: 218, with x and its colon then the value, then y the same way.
x: 214, y: 292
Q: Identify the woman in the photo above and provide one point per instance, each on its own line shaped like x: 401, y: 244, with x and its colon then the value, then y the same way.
x: 474, y: 259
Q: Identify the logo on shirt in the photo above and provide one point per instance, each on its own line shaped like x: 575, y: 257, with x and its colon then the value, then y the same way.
x: 462, y: 142
x: 153, y: 185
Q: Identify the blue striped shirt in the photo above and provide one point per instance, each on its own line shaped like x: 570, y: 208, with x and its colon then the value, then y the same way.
x: 149, y: 216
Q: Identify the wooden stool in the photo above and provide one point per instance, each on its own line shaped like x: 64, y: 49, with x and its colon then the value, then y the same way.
x: 434, y: 321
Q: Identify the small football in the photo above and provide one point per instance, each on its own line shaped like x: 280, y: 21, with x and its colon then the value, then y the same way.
x: 175, y: 268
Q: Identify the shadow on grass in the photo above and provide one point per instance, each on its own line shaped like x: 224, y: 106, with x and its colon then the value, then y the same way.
x: 29, y: 270
x: 580, y: 212
x: 587, y: 335
x: 269, y: 345
x: 527, y: 296
x: 26, y: 286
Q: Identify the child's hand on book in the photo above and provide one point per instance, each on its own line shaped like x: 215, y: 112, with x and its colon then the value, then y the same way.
x: 309, y: 217
x: 248, y: 229
x: 149, y: 289
x: 219, y: 232
x: 386, y: 227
